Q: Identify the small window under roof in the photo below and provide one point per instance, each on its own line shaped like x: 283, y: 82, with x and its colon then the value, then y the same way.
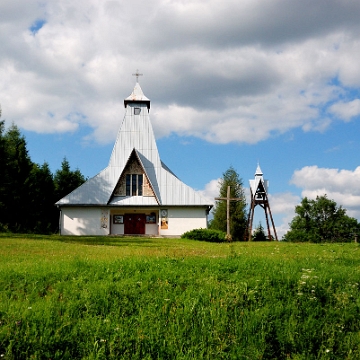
x: 137, y: 111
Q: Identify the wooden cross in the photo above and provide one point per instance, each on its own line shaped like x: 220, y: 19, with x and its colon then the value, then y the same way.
x: 228, y: 199
x: 137, y: 74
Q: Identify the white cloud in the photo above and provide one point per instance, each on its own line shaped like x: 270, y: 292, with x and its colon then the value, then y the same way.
x: 283, y: 209
x: 283, y: 203
x: 346, y: 110
x: 342, y: 186
x: 211, y: 190
x: 267, y: 69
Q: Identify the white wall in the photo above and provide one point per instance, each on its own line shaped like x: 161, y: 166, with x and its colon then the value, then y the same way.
x: 182, y: 219
x: 87, y: 221
x: 82, y: 221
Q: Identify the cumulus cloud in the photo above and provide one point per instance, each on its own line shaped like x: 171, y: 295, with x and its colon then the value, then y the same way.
x: 263, y: 70
x: 346, y: 110
x: 211, y: 190
x: 338, y: 184
x: 283, y: 209
x: 283, y: 203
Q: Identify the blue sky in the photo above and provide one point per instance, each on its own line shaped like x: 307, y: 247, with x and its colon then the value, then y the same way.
x: 231, y: 83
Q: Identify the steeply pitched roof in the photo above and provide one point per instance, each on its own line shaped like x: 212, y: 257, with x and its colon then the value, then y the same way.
x: 135, y: 134
x: 254, y: 184
x: 136, y: 96
x: 258, y: 171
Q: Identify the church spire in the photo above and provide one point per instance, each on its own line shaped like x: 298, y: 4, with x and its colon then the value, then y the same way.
x: 137, y: 95
x: 258, y: 171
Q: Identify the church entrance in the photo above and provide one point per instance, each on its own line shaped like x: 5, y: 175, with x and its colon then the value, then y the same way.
x: 134, y: 224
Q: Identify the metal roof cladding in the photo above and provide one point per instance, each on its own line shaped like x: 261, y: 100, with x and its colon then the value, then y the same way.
x: 259, y: 179
x: 135, y: 135
x: 137, y: 95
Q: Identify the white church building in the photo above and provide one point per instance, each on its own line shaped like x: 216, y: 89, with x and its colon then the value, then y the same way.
x: 136, y: 194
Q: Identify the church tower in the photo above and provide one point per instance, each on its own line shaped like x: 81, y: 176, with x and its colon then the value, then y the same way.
x: 136, y: 194
x: 259, y: 196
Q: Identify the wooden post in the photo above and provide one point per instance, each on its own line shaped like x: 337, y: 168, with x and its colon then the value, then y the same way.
x: 228, y: 212
x: 228, y: 199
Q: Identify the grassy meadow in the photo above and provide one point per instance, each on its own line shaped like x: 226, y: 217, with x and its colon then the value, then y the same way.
x: 139, y: 298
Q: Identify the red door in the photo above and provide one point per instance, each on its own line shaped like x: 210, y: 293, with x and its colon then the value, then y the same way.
x: 134, y: 224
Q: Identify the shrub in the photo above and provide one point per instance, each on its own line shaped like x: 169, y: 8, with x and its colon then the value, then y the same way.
x: 205, y: 235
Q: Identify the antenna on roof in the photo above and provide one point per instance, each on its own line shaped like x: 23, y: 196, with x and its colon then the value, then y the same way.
x: 137, y: 74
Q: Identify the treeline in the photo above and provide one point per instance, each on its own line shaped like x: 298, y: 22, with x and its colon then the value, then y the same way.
x: 28, y: 191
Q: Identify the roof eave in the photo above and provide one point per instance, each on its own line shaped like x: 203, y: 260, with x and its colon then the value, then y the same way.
x: 146, y: 102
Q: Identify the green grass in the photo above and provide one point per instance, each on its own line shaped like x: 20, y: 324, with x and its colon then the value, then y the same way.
x: 138, y: 298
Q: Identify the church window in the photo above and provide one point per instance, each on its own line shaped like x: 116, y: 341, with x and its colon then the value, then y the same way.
x: 134, y: 185
x: 128, y: 185
x: 140, y: 185
x: 137, y: 111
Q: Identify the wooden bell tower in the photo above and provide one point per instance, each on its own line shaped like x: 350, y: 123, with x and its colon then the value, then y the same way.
x: 259, y: 196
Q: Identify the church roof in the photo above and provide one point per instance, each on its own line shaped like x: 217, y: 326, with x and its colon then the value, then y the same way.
x: 137, y: 96
x: 254, y: 183
x: 135, y: 135
x: 258, y: 171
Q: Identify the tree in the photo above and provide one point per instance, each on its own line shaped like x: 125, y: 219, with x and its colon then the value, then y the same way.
x: 15, y: 180
x: 28, y: 191
x: 3, y: 181
x: 238, y: 218
x: 66, y: 180
x: 321, y: 220
x: 259, y: 234
x: 43, y: 215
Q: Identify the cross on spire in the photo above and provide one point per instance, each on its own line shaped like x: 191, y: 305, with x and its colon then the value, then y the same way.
x: 137, y: 74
